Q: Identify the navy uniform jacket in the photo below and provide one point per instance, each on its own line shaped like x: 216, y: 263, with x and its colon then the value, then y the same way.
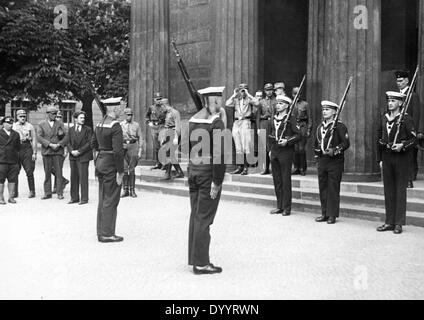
x: 202, y: 121
x: 407, y: 134
x: 108, y: 137
x: 340, y: 142
x: 80, y: 141
x: 275, y: 129
x: 9, y: 147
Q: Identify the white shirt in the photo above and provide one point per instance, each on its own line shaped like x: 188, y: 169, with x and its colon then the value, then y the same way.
x: 51, y: 123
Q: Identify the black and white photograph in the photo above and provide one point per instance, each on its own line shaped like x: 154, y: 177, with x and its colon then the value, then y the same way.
x: 212, y: 150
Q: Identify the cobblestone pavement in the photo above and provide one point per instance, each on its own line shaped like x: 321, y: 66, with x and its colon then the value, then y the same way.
x: 49, y: 251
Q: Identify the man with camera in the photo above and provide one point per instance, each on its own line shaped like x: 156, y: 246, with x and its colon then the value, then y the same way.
x: 242, y: 102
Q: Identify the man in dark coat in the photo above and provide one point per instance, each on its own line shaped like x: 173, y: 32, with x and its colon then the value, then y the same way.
x: 80, y: 155
x: 10, y: 144
x: 53, y: 138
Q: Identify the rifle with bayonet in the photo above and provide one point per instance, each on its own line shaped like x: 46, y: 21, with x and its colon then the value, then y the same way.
x: 292, y: 106
x: 197, y: 99
x: 406, y: 104
x: 339, y: 112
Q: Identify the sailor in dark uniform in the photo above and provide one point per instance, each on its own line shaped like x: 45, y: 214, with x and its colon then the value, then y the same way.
x: 330, y: 160
x: 414, y: 111
x: 206, y: 175
x: 108, y: 141
x: 284, y: 134
x: 394, y: 158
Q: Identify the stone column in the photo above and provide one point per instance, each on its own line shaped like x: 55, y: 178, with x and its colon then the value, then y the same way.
x: 149, y: 58
x: 420, y: 87
x: 340, y: 47
x: 235, y: 46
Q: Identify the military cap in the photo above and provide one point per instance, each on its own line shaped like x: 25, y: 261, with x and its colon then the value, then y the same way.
x: 78, y: 113
x: 7, y: 119
x: 329, y: 104
x: 395, y: 95
x: 52, y: 109
x: 112, y: 102
x: 269, y: 86
x: 128, y: 112
x: 243, y: 86
x: 401, y: 74
x: 279, y: 85
x: 158, y: 96
x: 20, y: 113
x: 284, y: 99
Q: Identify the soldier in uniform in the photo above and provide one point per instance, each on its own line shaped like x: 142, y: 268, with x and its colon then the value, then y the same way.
x: 280, y: 89
x: 133, y: 148
x: 266, y: 110
x: 80, y: 155
x: 108, y: 142
x: 394, y: 158
x: 28, y: 151
x: 414, y: 110
x: 10, y: 144
x: 242, y: 101
x: 283, y: 136
x: 206, y: 176
x: 53, y: 138
x: 155, y: 119
x: 303, y: 115
x: 330, y: 159
x: 172, y: 129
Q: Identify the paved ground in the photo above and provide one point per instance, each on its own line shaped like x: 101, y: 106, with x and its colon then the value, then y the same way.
x: 49, y: 251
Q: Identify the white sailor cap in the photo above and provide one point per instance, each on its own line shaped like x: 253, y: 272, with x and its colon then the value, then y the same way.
x: 285, y: 99
x: 395, y: 95
x: 212, y: 91
x: 329, y: 104
x: 112, y: 101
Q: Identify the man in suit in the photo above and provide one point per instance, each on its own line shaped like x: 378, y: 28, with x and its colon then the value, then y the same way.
x: 10, y: 144
x: 65, y: 182
x: 53, y: 138
x: 80, y: 155
x: 414, y: 111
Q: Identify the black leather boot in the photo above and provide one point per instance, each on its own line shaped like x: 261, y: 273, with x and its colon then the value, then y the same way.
x: 31, y: 185
x: 168, y: 176
x: 132, y: 186
x: 125, y: 184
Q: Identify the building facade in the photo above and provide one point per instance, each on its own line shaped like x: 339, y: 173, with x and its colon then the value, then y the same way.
x: 227, y: 42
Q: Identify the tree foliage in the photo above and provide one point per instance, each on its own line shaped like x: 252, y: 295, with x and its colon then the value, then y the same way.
x: 44, y: 64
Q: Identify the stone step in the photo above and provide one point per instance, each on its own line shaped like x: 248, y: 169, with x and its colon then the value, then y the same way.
x: 308, y: 182
x: 310, y: 193
x: 267, y: 202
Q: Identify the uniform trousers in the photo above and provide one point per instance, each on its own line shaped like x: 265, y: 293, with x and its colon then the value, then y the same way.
x: 25, y: 161
x: 154, y: 131
x: 79, y: 179
x: 203, y: 211
x: 300, y: 148
x: 241, y: 135
x: 53, y: 162
x: 263, y: 141
x: 281, y: 162
x: 396, y: 167
x: 130, y: 158
x: 330, y: 173
x: 109, y: 195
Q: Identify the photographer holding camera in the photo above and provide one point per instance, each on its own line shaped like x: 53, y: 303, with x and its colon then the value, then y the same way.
x: 242, y: 101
